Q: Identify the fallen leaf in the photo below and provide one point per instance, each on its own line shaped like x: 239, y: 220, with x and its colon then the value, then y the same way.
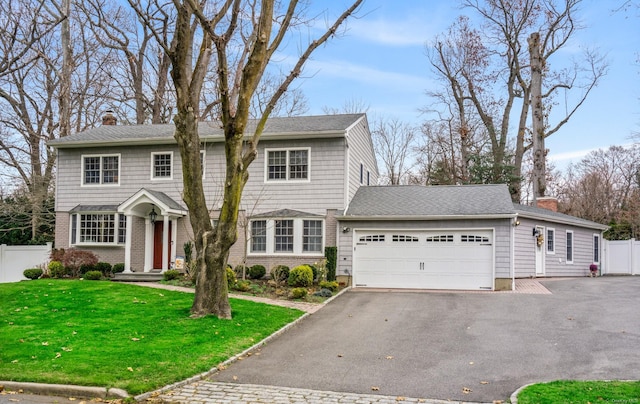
x: 46, y: 343
x: 221, y: 367
x: 10, y: 322
x: 130, y: 369
x: 135, y: 339
x: 14, y: 361
x: 389, y: 357
x: 72, y: 399
x: 58, y: 354
x: 74, y: 333
x: 470, y: 363
x: 21, y: 340
x: 339, y: 355
x: 569, y: 318
x: 235, y: 377
x: 64, y: 348
x: 483, y: 382
x: 375, y: 388
x: 161, y: 294
x: 466, y: 390
x: 400, y: 398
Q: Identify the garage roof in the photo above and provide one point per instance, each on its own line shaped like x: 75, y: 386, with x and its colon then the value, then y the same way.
x: 406, y: 201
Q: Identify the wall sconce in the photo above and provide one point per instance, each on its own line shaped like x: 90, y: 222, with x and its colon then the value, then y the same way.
x: 346, y: 229
x: 516, y: 223
x: 536, y: 232
x: 153, y: 215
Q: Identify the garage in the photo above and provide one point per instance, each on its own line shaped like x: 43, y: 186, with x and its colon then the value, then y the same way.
x: 427, y: 259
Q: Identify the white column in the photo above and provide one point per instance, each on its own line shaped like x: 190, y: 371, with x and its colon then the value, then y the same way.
x: 165, y: 242
x: 174, y: 238
x: 148, y: 245
x: 127, y: 244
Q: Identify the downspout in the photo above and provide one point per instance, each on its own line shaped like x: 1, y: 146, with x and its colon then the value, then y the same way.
x: 513, y: 253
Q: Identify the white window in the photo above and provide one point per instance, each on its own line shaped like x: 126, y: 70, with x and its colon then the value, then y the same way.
x: 443, y: 238
x: 374, y: 238
x: 101, y: 169
x: 569, y: 247
x: 551, y: 241
x: 98, y: 228
x: 471, y: 238
x: 258, y: 236
x: 287, y: 236
x: 162, y: 165
x: 402, y: 238
x: 287, y: 165
x: 596, y: 248
x: 312, y: 235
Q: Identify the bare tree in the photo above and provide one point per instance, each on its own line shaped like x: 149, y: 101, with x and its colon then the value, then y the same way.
x: 487, y: 68
x: 262, y: 29
x: 393, y: 141
x: 350, y: 106
x: 604, y: 186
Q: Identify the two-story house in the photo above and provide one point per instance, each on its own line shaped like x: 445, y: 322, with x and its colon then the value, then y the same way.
x: 119, y: 194
x: 119, y: 190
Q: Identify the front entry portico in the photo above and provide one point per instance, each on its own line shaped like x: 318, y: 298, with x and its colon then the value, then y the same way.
x: 161, y: 214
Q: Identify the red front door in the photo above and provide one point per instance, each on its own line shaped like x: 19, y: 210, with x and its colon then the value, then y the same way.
x: 157, y: 245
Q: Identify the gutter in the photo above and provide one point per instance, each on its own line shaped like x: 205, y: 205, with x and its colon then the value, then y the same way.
x: 388, y: 218
x: 556, y: 219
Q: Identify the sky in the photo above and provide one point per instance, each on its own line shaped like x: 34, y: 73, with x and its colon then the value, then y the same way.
x: 380, y: 61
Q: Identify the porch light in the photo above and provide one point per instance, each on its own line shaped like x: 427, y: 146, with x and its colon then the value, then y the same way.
x: 153, y: 215
x: 536, y: 232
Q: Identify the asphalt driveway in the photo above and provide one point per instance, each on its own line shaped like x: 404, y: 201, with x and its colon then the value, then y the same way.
x: 458, y: 346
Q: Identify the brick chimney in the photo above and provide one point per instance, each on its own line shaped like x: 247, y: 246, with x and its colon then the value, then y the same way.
x: 547, y: 202
x: 109, y: 119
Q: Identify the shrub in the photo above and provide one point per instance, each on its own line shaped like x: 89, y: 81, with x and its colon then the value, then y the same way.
x: 257, y: 271
x: 171, y: 275
x: 241, y: 271
x: 32, y: 273
x: 93, y: 275
x: 323, y: 293
x: 301, y: 275
x: 73, y: 259
x: 57, y: 254
x: 298, y: 293
x: 331, y: 285
x: 84, y: 268
x: 231, y: 277
x: 279, y: 273
x: 314, y: 269
x: 243, y: 286
x: 331, y: 253
x: 117, y: 268
x: 56, y: 269
x: 104, y: 267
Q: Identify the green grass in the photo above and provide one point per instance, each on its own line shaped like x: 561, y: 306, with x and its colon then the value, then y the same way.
x: 576, y: 392
x: 113, y: 335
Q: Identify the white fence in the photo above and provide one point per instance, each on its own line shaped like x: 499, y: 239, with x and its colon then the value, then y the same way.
x: 15, y: 259
x: 622, y: 257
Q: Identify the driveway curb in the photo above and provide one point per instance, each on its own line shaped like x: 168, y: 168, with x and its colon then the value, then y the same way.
x: 63, y: 390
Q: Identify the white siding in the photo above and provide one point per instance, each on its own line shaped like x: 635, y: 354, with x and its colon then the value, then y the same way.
x: 360, y: 152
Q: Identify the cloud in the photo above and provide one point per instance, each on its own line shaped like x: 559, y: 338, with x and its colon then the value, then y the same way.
x: 410, y: 32
x: 365, y: 74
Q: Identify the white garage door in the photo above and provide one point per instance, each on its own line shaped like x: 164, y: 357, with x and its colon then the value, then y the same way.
x: 442, y: 259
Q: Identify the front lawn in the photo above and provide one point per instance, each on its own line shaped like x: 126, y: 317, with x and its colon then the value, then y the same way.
x: 578, y: 392
x: 107, y: 334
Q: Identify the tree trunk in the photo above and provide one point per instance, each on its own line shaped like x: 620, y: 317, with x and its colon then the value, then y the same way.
x: 539, y: 169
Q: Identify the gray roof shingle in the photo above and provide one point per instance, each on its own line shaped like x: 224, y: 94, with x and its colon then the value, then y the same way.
x: 212, y: 131
x: 431, y: 201
x: 531, y: 211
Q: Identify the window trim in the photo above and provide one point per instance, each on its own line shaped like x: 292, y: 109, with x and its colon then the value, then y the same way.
x: 203, y: 161
x: 298, y: 237
x: 288, y: 178
x: 569, y: 246
x: 101, y: 183
x: 153, y: 166
x: 75, y: 228
x: 552, y: 240
x: 597, y: 246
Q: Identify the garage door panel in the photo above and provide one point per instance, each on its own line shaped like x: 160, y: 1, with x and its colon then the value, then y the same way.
x: 441, y: 259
